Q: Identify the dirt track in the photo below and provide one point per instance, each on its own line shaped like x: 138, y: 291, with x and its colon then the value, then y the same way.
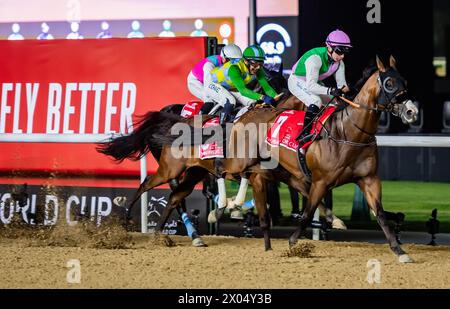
x: 39, y: 261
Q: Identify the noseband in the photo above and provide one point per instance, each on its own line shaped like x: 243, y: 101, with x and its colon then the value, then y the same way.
x: 389, y: 96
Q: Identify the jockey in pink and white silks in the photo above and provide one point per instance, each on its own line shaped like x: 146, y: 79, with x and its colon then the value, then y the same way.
x: 200, y: 75
x: 315, y: 66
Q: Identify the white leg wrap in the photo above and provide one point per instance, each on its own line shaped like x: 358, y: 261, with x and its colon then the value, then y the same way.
x: 222, y: 202
x: 316, y: 232
x: 240, y: 198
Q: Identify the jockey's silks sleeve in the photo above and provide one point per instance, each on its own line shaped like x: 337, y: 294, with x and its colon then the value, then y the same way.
x: 235, y: 75
x: 261, y: 77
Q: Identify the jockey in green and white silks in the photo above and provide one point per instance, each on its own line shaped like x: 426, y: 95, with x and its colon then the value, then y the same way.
x: 315, y: 66
x: 229, y: 82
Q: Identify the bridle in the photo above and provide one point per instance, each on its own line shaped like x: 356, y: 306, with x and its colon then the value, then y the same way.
x: 392, y: 92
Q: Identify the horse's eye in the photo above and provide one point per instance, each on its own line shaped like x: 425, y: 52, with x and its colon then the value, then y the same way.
x: 390, y: 84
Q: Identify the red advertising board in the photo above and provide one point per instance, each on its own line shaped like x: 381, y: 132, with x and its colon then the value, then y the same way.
x: 84, y: 87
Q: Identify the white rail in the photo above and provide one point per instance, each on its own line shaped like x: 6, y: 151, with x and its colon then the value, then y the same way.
x: 382, y: 140
x: 413, y: 141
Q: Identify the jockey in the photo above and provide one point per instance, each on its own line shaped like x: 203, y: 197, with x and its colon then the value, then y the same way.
x: 314, y: 66
x: 229, y: 82
x: 202, y: 70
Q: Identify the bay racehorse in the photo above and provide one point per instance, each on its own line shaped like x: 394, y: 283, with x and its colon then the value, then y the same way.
x: 347, y: 151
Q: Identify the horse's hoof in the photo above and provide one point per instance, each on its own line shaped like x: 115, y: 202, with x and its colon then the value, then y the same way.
x: 129, y: 225
x: 338, y: 224
x: 292, y: 243
x: 237, y: 214
x: 269, y: 249
x: 212, y: 217
x: 404, y: 258
x: 198, y: 242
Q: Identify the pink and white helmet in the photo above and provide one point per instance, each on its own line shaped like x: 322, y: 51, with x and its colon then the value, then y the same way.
x: 338, y: 38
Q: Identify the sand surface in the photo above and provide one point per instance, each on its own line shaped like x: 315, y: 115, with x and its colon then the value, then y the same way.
x: 113, y: 258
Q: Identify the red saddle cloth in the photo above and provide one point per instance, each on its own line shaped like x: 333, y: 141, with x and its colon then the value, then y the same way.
x: 191, y: 109
x: 210, y: 151
x: 289, y: 124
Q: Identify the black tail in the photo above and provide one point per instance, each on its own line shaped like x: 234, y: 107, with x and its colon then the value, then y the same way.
x: 173, y: 109
x: 147, y: 137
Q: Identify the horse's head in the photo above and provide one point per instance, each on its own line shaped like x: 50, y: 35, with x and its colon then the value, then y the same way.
x: 393, y: 92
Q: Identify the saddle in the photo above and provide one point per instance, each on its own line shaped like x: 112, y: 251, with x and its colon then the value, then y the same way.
x: 193, y: 108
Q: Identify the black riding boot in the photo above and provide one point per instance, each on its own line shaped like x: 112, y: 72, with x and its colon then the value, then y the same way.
x: 206, y: 108
x: 311, y: 113
x: 225, y: 115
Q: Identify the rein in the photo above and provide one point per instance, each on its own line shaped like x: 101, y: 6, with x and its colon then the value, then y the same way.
x: 378, y: 108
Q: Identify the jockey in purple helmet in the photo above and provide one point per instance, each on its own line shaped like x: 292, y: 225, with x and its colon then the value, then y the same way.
x: 315, y: 66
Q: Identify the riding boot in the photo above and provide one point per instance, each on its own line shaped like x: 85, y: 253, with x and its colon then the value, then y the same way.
x: 225, y: 115
x: 310, y: 114
x: 206, y: 108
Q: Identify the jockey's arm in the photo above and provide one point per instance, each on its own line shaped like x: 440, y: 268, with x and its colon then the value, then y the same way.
x: 235, y: 75
x: 261, y: 77
x: 313, y: 65
x: 340, y: 76
x: 207, y: 68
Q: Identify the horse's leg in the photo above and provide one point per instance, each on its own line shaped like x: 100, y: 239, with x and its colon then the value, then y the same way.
x: 336, y: 222
x: 295, y: 202
x: 297, y: 185
x: 259, y: 193
x: 371, y: 187
x: 216, y: 214
x: 182, y: 210
x: 168, y: 169
x: 179, y: 193
x: 174, y: 183
x: 149, y: 183
x: 240, y: 197
x: 316, y: 193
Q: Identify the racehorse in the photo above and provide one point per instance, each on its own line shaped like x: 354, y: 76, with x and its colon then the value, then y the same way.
x: 148, y: 136
x: 277, y: 81
x: 347, y: 152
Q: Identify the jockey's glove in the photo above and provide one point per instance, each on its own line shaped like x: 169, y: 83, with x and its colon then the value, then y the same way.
x: 335, y: 92
x: 267, y: 100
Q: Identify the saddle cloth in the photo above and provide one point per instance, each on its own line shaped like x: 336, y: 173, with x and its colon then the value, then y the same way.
x: 210, y: 151
x: 191, y: 109
x: 289, y: 124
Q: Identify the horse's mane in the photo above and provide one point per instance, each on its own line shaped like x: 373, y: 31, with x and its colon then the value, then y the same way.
x: 367, y: 73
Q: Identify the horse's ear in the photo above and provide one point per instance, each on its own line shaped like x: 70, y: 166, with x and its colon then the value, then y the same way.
x: 393, y: 62
x: 380, y: 65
